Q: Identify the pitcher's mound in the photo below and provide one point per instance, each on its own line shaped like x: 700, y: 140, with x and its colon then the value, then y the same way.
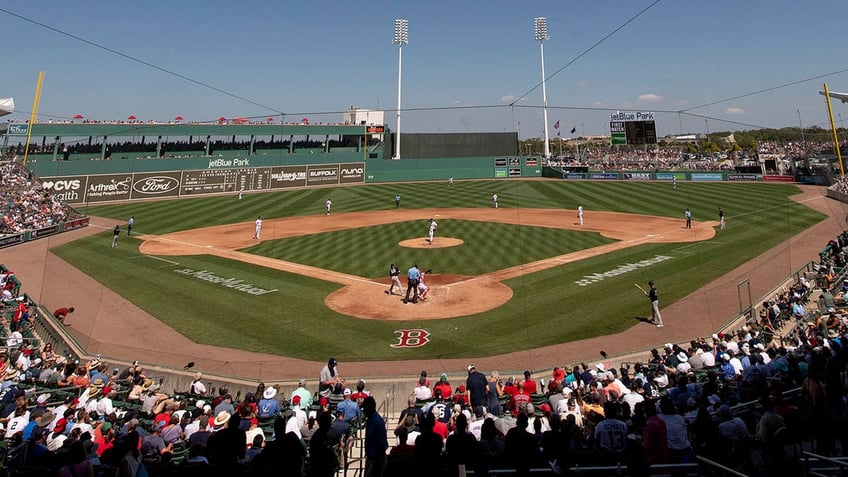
x: 438, y: 242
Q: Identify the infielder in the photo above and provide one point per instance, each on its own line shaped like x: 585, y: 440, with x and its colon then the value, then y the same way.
x: 450, y: 182
x: 394, y: 274
x: 328, y: 205
x: 130, y: 224
x: 495, y: 200
x: 257, y: 228
x: 721, y: 218
x: 580, y: 213
x: 432, y: 226
x: 688, y: 216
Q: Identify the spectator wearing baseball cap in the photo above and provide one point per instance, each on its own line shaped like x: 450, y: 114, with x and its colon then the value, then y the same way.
x: 305, y: 394
x: 349, y: 407
x: 153, y: 445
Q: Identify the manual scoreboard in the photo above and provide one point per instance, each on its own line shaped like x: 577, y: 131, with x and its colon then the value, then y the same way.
x: 633, y: 128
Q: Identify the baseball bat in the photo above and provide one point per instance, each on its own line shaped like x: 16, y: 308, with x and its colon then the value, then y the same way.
x: 640, y: 288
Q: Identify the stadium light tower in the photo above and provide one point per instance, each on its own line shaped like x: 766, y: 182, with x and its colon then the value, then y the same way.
x: 540, y: 30
x: 401, y: 38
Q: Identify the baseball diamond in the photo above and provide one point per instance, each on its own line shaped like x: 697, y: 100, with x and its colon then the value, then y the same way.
x: 465, y: 315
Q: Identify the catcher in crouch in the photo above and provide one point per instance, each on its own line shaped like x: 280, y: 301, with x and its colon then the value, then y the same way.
x: 423, y: 289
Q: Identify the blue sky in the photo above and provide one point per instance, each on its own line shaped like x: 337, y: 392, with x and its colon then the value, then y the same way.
x: 305, y: 58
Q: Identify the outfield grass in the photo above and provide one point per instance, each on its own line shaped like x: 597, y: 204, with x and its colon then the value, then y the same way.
x: 548, y: 305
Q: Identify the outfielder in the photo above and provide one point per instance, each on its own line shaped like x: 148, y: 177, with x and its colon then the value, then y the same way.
x: 394, y: 274
x: 721, y: 218
x: 328, y: 205
x: 495, y: 200
x: 257, y: 227
x: 580, y: 213
x: 432, y: 226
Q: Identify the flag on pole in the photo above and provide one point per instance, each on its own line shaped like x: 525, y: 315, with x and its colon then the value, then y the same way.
x: 574, y: 130
x: 556, y: 125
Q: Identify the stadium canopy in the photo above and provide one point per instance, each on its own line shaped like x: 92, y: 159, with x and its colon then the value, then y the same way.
x: 7, y: 106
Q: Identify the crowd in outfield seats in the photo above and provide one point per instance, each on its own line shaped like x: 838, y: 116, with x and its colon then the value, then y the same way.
x: 25, y: 204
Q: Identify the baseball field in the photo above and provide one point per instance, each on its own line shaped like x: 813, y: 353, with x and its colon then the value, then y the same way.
x: 523, y: 276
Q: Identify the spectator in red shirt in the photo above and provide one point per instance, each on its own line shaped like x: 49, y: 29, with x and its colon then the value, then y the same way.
x: 510, y: 387
x: 460, y: 397
x: 518, y: 402
x: 445, y: 386
x: 529, y: 384
x: 61, y: 313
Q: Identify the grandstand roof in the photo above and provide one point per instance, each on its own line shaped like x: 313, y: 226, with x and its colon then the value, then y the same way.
x: 122, y: 129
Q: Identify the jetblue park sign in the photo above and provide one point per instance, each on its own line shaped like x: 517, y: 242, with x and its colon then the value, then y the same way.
x: 18, y: 129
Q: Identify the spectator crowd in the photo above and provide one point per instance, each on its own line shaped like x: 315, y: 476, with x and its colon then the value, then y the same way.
x: 26, y: 205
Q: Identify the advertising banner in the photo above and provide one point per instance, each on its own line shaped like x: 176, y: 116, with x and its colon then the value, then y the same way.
x: 773, y: 178
x: 574, y: 175
x: 670, y: 176
x: 706, y: 176
x: 75, y: 224
x: 322, y: 174
x: 156, y: 184
x: 500, y: 172
x: 69, y: 189
x: 514, y: 172
x: 108, y: 187
x: 531, y: 161
x: 352, y: 173
x: 743, y: 177
x: 43, y: 232
x: 288, y: 176
x: 11, y: 240
x: 637, y: 176
x: 500, y: 162
x: 605, y: 175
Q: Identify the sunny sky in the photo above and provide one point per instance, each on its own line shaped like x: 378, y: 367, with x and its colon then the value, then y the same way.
x: 468, y: 60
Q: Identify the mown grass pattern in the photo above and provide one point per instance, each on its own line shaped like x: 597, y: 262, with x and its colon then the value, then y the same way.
x: 547, y: 306
x: 487, y: 247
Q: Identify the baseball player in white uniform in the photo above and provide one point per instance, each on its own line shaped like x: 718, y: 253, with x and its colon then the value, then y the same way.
x: 422, y: 288
x: 257, y: 228
x: 432, y: 227
x: 495, y: 200
x: 328, y: 205
x: 580, y: 213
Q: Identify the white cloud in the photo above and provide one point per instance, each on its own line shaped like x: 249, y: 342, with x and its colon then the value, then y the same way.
x: 648, y: 98
x: 735, y: 111
x: 583, y: 83
x: 511, y: 99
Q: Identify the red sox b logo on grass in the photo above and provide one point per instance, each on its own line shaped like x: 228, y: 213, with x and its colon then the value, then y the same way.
x: 412, y: 338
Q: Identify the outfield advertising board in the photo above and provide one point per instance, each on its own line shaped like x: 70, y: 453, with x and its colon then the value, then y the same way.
x: 773, y: 178
x: 108, y: 187
x: 607, y: 176
x: 150, y: 185
x: 706, y: 176
x: 288, y: 176
x: 670, y: 176
x: 500, y: 172
x: 743, y: 177
x: 636, y: 176
x: 574, y: 175
x: 317, y: 175
x: 157, y: 184
x: 351, y: 173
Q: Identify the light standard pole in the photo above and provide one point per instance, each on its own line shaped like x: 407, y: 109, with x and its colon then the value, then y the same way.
x: 401, y: 38
x: 540, y: 30
x: 801, y: 125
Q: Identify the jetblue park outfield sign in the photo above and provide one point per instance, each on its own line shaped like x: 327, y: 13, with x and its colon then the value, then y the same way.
x: 156, y: 185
